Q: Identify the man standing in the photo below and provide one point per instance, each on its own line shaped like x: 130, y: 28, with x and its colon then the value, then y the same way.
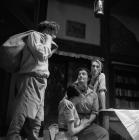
x: 31, y: 81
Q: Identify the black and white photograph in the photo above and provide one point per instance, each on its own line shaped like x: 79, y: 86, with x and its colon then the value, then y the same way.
x: 69, y: 70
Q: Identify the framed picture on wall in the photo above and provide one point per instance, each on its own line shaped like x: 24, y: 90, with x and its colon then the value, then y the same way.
x: 75, y: 29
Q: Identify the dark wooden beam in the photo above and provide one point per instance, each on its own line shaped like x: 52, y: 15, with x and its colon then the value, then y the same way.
x: 79, y: 47
x: 105, y: 44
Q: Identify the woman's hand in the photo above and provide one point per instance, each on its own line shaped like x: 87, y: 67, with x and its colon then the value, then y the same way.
x: 72, y: 130
x: 85, y: 122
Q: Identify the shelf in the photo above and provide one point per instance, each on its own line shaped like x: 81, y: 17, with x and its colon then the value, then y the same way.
x: 131, y: 99
x: 127, y: 86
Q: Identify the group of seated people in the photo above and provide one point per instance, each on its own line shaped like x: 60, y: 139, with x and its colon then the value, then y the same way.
x: 80, y: 107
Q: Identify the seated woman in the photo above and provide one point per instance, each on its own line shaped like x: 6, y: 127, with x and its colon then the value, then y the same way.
x: 68, y: 119
x: 78, y: 112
